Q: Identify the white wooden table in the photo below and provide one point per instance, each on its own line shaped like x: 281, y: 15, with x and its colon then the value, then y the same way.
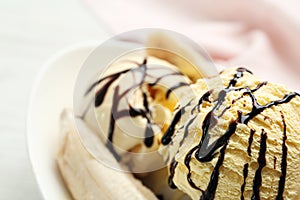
x: 30, y: 32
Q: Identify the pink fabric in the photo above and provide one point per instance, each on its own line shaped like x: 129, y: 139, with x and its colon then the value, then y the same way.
x: 262, y: 35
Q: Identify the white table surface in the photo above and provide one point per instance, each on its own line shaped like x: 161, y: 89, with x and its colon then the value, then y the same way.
x: 30, y: 32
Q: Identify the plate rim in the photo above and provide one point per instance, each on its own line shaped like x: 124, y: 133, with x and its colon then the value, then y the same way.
x: 33, y: 93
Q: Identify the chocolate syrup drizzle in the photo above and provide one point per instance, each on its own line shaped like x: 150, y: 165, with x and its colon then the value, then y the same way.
x: 164, y: 76
x: 204, y: 98
x: 172, y: 173
x: 245, y: 175
x: 205, y: 152
x: 167, y: 137
x: 275, y: 161
x: 281, y: 183
x: 160, y: 197
x: 210, y: 191
x: 261, y: 164
x: 257, y: 108
x: 239, y: 74
x: 112, y: 125
x: 186, y: 129
x: 224, y: 111
x: 187, y: 161
x: 133, y: 112
x: 250, y: 140
x: 178, y: 85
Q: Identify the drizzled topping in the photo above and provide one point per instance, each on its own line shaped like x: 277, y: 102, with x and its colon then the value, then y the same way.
x: 261, y: 160
x: 250, y: 140
x: 281, y: 183
x: 167, y: 137
x: 187, y: 161
x: 206, y: 150
x: 145, y: 80
x: 245, y: 174
x: 172, y: 173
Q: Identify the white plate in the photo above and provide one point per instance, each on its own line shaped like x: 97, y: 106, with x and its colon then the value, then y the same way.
x: 52, y: 92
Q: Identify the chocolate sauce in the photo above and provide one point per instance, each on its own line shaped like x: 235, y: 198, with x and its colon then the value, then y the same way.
x: 275, y: 161
x: 109, y: 143
x: 178, y: 85
x: 187, y: 161
x: 145, y: 103
x: 164, y: 76
x: 113, y: 76
x: 203, y: 152
x: 100, y: 95
x: 261, y: 160
x: 205, y: 97
x: 209, y: 122
x: 149, y: 136
x: 186, y: 129
x: 259, y: 86
x: 281, y: 183
x: 224, y: 111
x: 265, y: 118
x: 209, y: 150
x: 133, y: 112
x: 112, y: 118
x: 245, y: 175
x: 167, y: 137
x: 174, y: 164
x: 246, y: 70
x: 99, y: 98
x: 239, y: 74
x: 172, y: 173
x: 209, y: 193
x: 257, y: 108
x: 149, y: 133
x: 250, y: 140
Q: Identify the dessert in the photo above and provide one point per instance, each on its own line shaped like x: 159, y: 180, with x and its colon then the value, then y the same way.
x: 242, y: 144
x: 127, y: 119
x: 85, y: 177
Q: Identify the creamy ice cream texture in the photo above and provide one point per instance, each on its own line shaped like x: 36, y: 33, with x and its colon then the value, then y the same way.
x: 134, y: 106
x: 243, y: 145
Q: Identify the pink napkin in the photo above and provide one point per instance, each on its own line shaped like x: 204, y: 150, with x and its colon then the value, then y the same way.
x: 262, y: 35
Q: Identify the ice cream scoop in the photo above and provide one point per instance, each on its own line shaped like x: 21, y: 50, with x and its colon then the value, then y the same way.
x: 243, y: 145
x: 134, y: 106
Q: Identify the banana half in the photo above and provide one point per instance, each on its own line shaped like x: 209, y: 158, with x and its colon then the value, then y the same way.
x: 86, y: 178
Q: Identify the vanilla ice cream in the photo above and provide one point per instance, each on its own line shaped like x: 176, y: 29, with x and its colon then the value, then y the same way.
x: 243, y: 145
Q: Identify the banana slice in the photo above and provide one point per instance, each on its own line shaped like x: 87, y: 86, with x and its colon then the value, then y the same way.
x: 188, y: 57
x: 87, y: 178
